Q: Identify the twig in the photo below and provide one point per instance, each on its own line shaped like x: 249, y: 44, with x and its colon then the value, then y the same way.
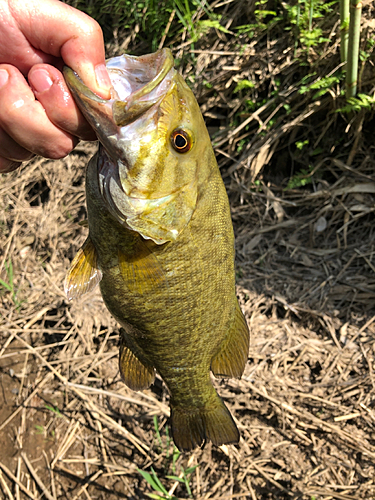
x: 6, y: 344
x: 66, y: 442
x: 162, y: 407
x: 167, y: 29
x: 181, y: 475
x: 130, y: 469
x: 271, y: 480
x: 37, y: 479
x: 332, y: 494
x: 37, y: 316
x: 349, y: 438
x: 53, y: 487
x: 5, y: 486
x: 133, y: 439
x: 35, y: 391
x: 13, y: 478
x: 87, y: 484
x: 19, y: 465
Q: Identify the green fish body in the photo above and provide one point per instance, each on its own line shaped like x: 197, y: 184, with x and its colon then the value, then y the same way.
x: 161, y: 244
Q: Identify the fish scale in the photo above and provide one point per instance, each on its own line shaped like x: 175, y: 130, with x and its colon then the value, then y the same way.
x: 164, y: 260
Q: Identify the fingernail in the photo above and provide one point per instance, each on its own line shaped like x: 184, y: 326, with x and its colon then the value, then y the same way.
x: 4, y: 77
x: 102, y: 77
x: 40, y: 80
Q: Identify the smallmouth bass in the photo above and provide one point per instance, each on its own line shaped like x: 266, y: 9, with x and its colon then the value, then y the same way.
x: 161, y: 243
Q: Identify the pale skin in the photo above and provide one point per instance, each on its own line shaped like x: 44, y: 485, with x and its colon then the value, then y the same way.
x: 38, y: 115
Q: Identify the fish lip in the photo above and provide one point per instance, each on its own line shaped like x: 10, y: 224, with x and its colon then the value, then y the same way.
x: 134, y: 90
x: 96, y: 110
x: 152, y: 70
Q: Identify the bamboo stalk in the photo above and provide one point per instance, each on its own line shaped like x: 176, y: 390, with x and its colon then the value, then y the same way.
x: 344, y: 30
x: 353, y: 49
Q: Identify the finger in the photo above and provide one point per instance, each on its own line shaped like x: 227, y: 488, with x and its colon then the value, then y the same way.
x: 11, y: 150
x: 16, y: 48
x: 24, y: 119
x: 7, y: 166
x: 51, y: 91
x: 80, y: 43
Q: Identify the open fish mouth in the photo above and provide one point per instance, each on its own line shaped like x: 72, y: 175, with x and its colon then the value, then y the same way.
x: 138, y: 84
x: 121, y: 123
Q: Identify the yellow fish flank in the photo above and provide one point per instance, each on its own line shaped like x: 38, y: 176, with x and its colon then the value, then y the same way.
x: 161, y: 243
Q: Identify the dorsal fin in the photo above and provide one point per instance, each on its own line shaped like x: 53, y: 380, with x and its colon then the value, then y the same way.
x: 83, y: 275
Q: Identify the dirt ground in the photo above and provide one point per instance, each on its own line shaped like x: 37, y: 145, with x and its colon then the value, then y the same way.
x: 305, y: 260
x: 305, y: 405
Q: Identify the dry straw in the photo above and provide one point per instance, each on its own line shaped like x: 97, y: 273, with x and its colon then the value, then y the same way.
x: 306, y: 282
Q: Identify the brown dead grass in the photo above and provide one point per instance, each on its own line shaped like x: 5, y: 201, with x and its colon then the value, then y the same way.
x: 69, y: 428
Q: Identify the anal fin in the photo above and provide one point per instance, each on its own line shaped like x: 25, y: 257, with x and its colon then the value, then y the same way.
x: 231, y: 359
x: 83, y: 274
x: 136, y: 374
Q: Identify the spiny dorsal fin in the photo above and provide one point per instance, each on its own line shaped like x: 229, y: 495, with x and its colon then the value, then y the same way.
x: 142, y: 272
x: 83, y: 275
x: 231, y: 359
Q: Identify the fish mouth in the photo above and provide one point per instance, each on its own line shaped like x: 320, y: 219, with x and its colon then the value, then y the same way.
x: 138, y: 83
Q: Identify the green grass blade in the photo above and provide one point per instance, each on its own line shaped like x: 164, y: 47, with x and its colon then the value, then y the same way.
x: 153, y: 480
x: 176, y: 478
x: 155, y: 496
x: 189, y: 470
x: 157, y: 431
x: 9, y: 269
x: 5, y: 285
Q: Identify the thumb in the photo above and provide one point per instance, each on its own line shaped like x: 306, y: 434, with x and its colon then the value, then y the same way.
x: 57, y: 29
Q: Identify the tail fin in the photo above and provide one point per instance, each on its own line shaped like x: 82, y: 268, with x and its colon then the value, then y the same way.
x: 191, y: 427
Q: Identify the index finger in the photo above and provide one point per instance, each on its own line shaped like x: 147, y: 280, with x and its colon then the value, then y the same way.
x: 55, y: 28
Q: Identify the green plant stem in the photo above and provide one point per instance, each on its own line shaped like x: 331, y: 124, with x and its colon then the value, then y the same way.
x: 353, y: 49
x: 187, y: 486
x: 344, y: 30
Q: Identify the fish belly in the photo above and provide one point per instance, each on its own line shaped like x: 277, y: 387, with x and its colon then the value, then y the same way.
x: 179, y: 296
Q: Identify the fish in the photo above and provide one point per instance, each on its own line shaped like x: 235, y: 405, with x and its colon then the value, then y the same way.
x: 161, y: 243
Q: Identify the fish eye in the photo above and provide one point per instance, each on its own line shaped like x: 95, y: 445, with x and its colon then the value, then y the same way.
x: 181, y: 141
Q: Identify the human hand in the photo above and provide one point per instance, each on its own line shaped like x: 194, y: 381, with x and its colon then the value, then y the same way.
x: 37, y: 112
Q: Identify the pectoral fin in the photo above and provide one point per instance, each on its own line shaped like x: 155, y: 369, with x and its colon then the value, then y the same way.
x: 231, y: 359
x: 136, y: 374
x: 83, y: 275
x: 142, y: 273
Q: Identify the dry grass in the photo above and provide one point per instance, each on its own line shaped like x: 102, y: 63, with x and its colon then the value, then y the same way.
x: 69, y: 428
